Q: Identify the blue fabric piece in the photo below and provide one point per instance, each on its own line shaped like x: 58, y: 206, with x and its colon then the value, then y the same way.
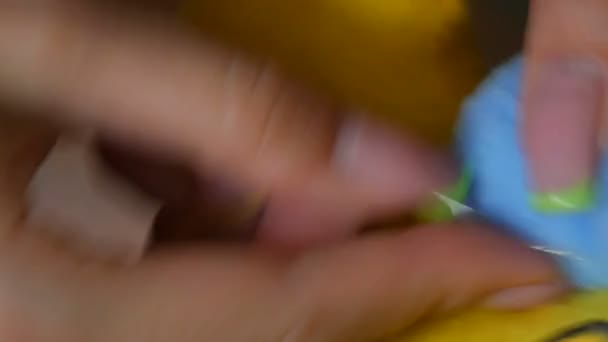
x: 490, y: 145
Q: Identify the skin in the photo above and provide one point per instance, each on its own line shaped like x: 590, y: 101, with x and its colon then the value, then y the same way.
x: 565, y: 102
x: 158, y: 88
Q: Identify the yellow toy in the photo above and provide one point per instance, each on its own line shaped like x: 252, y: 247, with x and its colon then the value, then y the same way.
x: 370, y: 52
x: 366, y: 52
x: 582, y: 318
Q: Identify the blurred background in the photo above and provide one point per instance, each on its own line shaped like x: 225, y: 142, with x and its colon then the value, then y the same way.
x: 409, y: 61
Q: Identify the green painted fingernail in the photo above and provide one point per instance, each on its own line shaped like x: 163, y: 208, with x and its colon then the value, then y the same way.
x: 447, y: 204
x: 574, y: 199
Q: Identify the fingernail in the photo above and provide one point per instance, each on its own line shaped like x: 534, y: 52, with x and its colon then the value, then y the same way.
x: 525, y: 297
x: 449, y: 204
x: 561, y: 134
x: 386, y: 164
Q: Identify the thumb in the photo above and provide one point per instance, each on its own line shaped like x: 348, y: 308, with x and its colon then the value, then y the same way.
x: 565, y: 103
x: 148, y: 83
x: 357, y: 291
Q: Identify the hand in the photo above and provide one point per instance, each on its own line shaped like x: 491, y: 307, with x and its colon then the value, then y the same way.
x: 351, y: 291
x: 166, y: 91
x: 325, y: 170
x: 565, y: 102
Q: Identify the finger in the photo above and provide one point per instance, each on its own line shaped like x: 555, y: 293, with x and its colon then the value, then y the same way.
x: 352, y: 292
x: 196, y: 206
x: 301, y: 215
x: 146, y: 83
x: 23, y: 145
x: 565, y: 102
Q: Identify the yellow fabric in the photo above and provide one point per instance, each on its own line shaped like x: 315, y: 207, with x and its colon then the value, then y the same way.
x: 532, y: 326
x: 411, y: 61
x: 408, y: 60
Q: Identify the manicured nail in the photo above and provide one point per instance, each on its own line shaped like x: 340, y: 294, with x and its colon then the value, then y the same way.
x: 525, y: 297
x: 575, y: 199
x: 384, y: 164
x: 562, y: 115
x: 449, y: 204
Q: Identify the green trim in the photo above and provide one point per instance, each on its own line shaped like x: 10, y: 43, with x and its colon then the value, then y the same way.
x: 577, y: 198
x: 436, y: 210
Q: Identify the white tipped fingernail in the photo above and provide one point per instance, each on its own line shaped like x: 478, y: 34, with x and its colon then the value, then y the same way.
x: 524, y: 297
